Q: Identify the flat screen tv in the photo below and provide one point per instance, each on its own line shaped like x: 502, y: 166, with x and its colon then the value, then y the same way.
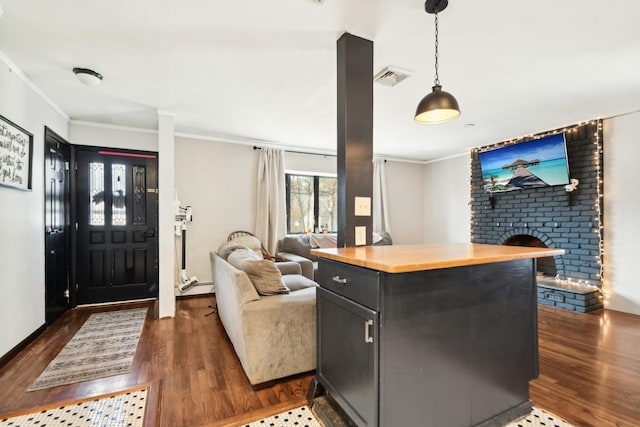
x: 530, y: 164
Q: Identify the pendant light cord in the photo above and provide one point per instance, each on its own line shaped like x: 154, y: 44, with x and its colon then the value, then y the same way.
x: 436, y: 82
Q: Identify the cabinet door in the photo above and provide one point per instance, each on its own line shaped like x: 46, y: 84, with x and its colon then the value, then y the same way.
x: 348, y: 355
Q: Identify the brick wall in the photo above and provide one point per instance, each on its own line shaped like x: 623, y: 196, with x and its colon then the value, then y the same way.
x: 570, y: 221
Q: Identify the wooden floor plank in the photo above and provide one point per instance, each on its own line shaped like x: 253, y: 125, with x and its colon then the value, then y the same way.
x: 589, y: 369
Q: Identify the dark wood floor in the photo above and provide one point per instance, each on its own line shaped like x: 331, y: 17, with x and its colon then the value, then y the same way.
x: 589, y: 369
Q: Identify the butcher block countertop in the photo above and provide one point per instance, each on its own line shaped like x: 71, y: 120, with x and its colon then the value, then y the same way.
x: 408, y: 258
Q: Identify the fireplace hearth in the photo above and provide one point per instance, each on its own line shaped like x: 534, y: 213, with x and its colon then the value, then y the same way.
x: 578, y: 297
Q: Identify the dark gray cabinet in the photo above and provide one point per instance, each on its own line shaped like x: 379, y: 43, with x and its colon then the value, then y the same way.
x: 349, y: 354
x: 445, y: 347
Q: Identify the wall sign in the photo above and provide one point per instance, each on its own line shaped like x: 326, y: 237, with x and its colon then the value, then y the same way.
x: 16, y: 154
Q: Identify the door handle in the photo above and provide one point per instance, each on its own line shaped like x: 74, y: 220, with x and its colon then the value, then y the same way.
x: 151, y: 232
x: 367, y: 337
x: 340, y: 280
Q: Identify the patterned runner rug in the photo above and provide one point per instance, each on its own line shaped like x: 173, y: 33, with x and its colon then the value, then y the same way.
x: 304, y: 417
x: 136, y: 408
x: 104, y: 346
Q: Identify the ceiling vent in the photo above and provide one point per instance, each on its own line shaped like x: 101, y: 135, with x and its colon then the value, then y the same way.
x: 391, y: 76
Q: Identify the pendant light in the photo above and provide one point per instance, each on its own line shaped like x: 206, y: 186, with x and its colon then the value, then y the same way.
x: 438, y: 106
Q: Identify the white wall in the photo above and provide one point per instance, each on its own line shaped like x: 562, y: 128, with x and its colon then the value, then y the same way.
x: 218, y: 180
x: 621, y: 208
x: 405, y: 197
x: 447, y: 210
x: 316, y: 164
x: 98, y: 135
x: 22, y: 214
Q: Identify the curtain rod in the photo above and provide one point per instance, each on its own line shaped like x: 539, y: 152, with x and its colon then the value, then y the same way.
x: 255, y: 147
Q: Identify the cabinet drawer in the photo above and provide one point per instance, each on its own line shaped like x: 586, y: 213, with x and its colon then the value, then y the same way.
x: 355, y: 283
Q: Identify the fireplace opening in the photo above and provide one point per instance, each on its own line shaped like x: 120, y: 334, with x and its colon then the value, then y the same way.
x: 545, y: 266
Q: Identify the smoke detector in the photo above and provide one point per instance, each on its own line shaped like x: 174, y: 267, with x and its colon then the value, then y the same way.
x: 318, y: 1
x: 391, y: 76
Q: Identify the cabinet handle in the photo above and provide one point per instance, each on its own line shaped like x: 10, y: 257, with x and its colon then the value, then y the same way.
x: 367, y: 338
x: 339, y: 279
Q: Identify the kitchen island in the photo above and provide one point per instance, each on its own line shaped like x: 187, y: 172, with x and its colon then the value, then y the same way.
x: 428, y: 335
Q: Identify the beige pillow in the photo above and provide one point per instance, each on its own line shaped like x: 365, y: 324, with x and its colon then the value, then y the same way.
x: 226, y: 248
x: 264, y: 274
x: 251, y: 242
x: 240, y: 256
x: 295, y: 282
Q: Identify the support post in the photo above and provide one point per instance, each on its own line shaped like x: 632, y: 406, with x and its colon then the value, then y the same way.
x: 166, y: 214
x: 355, y: 140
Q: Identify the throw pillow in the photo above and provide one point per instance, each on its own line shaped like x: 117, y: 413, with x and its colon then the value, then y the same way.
x: 251, y: 242
x: 226, y: 248
x: 238, y: 257
x: 295, y: 282
x: 264, y: 274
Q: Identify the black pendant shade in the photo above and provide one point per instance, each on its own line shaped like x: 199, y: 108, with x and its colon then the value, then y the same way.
x: 437, y: 107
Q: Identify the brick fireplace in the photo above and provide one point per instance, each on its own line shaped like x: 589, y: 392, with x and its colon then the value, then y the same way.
x: 552, y: 217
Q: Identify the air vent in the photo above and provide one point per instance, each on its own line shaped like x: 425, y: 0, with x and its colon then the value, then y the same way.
x: 391, y: 76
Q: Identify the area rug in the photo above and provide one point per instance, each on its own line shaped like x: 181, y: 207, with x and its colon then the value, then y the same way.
x: 303, y: 416
x: 104, y: 346
x: 136, y: 407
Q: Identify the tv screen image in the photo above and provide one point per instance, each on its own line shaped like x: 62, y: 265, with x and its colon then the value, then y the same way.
x: 530, y: 164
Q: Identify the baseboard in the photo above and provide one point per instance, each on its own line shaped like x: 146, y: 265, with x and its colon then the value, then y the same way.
x: 21, y: 346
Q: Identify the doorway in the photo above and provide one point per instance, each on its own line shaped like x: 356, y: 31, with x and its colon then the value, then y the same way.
x: 117, y: 221
x: 57, y: 258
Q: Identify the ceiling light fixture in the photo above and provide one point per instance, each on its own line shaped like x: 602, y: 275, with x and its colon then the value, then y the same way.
x: 87, y: 76
x: 438, y: 106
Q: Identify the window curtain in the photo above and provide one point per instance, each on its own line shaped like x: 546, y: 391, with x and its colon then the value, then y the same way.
x: 271, y: 204
x: 379, y: 209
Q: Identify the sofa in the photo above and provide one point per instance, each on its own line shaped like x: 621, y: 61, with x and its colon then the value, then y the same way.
x: 274, y: 336
x: 297, y: 248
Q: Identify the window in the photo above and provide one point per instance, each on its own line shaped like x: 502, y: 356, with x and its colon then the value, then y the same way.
x: 312, y: 203
x: 96, y: 193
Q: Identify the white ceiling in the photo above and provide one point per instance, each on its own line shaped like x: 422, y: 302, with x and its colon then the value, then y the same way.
x: 265, y: 70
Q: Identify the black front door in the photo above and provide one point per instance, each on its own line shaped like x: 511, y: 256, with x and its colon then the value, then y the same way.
x: 117, y: 220
x: 56, y: 204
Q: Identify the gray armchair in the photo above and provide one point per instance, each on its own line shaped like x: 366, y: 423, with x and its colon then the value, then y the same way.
x: 297, y: 248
